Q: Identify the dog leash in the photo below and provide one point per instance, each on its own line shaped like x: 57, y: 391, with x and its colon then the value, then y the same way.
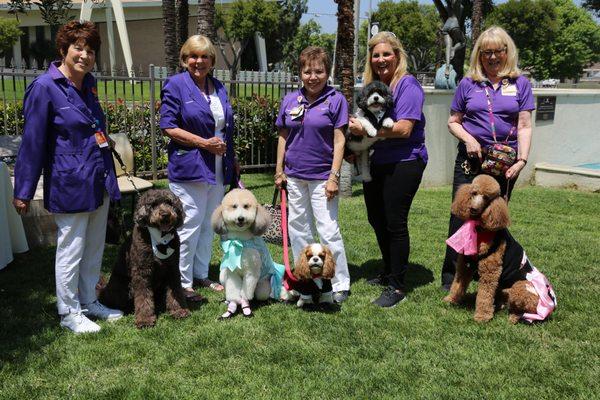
x: 124, y: 168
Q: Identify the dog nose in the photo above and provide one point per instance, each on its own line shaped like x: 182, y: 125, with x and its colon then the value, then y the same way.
x: 315, y: 259
x: 241, y: 219
x: 376, y: 98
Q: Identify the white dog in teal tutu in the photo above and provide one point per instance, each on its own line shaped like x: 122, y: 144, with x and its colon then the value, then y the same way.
x: 247, y: 269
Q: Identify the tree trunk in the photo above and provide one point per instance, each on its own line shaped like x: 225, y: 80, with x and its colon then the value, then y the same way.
x: 477, y: 19
x: 206, y: 20
x: 344, y: 73
x: 170, y: 36
x: 183, y: 15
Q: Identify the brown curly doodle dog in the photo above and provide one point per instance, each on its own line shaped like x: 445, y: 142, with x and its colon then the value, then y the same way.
x: 145, y: 276
x: 501, y: 264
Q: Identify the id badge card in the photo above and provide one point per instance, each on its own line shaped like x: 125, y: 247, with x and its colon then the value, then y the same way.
x: 509, y: 90
x: 297, y: 112
x: 101, y: 139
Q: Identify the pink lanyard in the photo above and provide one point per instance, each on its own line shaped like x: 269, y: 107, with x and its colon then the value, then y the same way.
x: 491, y: 115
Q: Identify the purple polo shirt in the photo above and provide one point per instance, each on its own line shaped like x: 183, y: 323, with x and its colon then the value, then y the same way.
x: 309, y: 145
x: 59, y: 137
x: 184, y: 106
x: 512, y: 96
x: 408, y: 104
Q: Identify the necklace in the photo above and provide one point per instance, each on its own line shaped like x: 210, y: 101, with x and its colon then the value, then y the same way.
x: 206, y: 94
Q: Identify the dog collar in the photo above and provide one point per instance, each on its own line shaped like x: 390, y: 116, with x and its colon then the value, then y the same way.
x: 158, y: 239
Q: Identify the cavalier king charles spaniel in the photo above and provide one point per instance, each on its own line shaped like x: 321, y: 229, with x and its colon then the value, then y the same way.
x: 314, y: 269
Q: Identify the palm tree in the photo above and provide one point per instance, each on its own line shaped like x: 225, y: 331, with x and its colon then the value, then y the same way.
x: 183, y: 15
x: 206, y: 20
x: 477, y: 19
x: 170, y: 36
x: 344, y: 73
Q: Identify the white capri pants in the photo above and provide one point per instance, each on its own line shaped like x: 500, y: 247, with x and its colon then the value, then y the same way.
x: 199, y: 200
x: 309, y: 209
x: 79, y: 249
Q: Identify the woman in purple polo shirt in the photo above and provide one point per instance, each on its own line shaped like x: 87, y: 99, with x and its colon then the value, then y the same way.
x: 397, y: 163
x: 311, y: 126
x: 65, y: 136
x: 493, y: 92
x: 195, y: 113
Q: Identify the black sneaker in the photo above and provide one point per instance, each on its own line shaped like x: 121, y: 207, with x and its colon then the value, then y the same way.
x: 389, y: 298
x: 380, y: 280
x: 341, y: 296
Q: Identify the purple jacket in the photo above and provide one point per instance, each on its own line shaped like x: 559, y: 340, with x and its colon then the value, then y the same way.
x: 59, y: 138
x: 183, y: 106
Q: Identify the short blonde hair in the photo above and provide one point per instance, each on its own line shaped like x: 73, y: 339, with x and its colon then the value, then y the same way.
x: 498, y: 37
x: 194, y: 44
x: 391, y: 39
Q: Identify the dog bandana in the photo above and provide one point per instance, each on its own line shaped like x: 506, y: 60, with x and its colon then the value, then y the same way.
x: 464, y: 241
x: 158, y: 239
x: 545, y: 292
x: 232, y: 259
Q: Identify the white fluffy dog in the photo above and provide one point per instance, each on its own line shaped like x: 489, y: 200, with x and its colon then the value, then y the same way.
x: 247, y: 269
x: 375, y: 103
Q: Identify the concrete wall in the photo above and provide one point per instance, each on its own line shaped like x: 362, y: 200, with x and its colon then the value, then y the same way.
x: 572, y: 138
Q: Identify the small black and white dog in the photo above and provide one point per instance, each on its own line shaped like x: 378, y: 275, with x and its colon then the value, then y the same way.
x: 375, y: 103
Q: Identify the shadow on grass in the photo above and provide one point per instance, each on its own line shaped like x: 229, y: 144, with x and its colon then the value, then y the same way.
x: 27, y: 305
x: 416, y: 275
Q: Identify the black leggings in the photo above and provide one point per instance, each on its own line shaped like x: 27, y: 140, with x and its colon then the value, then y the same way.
x: 388, y: 198
x: 460, y: 178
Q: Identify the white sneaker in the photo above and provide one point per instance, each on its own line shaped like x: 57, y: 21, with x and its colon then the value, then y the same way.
x: 78, y: 323
x: 99, y: 311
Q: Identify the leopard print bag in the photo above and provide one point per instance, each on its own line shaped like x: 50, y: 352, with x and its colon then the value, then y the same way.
x: 274, y: 234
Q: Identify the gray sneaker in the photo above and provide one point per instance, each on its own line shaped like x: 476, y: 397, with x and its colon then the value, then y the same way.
x: 97, y: 310
x: 390, y: 297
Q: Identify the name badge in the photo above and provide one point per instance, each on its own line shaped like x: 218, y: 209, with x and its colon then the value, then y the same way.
x: 509, y: 90
x: 101, y: 139
x: 297, y: 112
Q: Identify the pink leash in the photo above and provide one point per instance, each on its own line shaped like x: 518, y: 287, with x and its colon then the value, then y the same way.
x: 289, y: 280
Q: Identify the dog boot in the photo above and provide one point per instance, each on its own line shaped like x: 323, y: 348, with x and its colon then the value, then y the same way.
x: 231, y: 310
x: 326, y: 298
x: 246, y: 310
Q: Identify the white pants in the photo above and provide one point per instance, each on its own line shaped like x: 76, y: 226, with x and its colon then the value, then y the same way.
x: 310, y: 209
x: 196, y: 235
x: 79, y: 249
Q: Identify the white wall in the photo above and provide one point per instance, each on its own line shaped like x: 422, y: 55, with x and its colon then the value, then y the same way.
x: 573, y: 137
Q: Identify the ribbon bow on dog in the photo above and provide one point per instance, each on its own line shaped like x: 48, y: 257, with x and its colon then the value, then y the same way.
x: 232, y: 253
x: 464, y: 241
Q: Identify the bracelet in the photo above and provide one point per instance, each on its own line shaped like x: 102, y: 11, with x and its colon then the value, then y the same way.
x: 522, y: 159
x: 279, y: 174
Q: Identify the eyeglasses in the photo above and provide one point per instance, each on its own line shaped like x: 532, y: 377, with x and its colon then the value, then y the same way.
x: 488, y: 53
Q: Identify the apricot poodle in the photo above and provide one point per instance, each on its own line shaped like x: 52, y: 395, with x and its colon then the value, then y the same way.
x: 504, y: 271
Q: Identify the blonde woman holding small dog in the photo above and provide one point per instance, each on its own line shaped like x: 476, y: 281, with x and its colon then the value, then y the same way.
x: 397, y: 163
x: 195, y: 113
x: 311, y: 125
x: 493, y: 102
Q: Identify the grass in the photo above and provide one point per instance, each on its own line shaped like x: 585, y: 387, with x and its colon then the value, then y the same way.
x: 423, y: 348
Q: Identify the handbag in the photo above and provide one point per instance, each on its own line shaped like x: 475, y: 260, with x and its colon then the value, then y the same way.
x: 499, y: 157
x: 274, y: 232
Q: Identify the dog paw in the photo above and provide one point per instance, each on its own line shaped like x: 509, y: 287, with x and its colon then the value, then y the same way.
x: 451, y: 299
x: 483, y: 317
x: 388, y: 123
x: 514, y: 318
x: 145, y: 322
x: 181, y: 313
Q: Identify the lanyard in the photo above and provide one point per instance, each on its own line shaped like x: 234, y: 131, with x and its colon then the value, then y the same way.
x: 491, y: 115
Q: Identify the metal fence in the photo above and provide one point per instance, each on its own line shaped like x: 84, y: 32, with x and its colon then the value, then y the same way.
x: 131, y: 105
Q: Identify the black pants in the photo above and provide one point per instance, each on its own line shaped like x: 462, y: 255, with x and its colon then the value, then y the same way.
x: 388, y: 198
x: 460, y: 178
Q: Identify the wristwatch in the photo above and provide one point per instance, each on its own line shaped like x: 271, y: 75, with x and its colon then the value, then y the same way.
x: 335, y: 173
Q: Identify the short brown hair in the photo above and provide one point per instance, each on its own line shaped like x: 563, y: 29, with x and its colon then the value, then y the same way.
x: 314, y: 53
x: 77, y: 31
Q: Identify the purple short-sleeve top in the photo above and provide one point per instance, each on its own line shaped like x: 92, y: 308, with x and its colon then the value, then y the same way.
x: 408, y: 104
x: 309, y: 144
x: 512, y: 96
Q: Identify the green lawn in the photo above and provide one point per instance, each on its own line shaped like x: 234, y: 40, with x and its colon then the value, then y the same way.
x: 423, y: 348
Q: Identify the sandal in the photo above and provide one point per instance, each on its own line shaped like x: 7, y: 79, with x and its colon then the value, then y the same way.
x: 231, y: 310
x: 247, y: 311
x: 207, y: 283
x: 193, y: 297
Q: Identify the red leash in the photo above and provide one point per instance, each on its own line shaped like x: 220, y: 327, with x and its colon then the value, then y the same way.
x: 289, y: 280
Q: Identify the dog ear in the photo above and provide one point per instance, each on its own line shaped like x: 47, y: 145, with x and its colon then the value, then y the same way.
x: 389, y: 102
x: 361, y: 100
x: 329, y: 265
x: 495, y: 216
x: 301, y: 269
x: 261, y: 221
x: 177, y: 205
x: 141, y: 217
x: 460, y: 205
x: 217, y: 221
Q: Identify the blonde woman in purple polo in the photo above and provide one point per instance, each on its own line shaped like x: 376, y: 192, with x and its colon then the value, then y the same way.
x: 492, y: 92
x: 311, y: 125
